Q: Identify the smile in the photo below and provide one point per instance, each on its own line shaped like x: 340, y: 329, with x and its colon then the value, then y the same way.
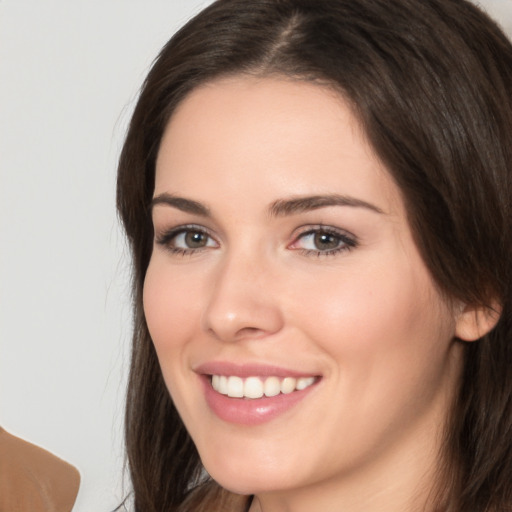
x: 253, y: 394
x: 258, y: 387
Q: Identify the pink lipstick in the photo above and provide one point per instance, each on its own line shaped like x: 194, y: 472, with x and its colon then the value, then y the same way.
x: 253, y: 394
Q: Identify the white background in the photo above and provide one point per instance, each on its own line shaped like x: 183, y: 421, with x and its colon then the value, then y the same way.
x: 69, y: 75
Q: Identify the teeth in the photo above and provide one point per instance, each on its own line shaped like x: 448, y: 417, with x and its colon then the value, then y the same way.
x: 256, y: 387
x: 223, y: 385
x: 235, y: 387
x: 304, y: 382
x: 253, y: 388
x: 288, y: 385
x: 272, y: 386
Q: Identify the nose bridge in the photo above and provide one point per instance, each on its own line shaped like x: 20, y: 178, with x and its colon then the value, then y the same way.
x: 243, y: 302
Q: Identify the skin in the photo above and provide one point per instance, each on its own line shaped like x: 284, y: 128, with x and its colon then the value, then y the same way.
x: 368, y: 319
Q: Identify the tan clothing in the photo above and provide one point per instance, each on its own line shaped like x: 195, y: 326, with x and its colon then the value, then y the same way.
x: 34, y: 480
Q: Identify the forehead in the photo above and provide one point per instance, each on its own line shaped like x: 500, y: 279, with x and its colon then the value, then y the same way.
x: 271, y: 136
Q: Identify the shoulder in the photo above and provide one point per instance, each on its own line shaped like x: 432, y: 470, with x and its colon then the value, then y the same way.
x: 32, y: 478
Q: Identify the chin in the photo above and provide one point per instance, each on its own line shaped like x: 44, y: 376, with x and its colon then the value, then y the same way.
x: 248, y: 480
x: 246, y: 486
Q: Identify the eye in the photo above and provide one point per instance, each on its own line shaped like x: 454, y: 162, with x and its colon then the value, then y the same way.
x: 191, y: 240
x: 323, y: 241
x: 186, y: 239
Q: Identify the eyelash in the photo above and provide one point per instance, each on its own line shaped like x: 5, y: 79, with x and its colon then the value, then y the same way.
x: 346, y: 240
x: 165, y: 239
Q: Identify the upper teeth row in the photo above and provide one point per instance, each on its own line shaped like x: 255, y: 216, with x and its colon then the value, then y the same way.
x: 256, y: 387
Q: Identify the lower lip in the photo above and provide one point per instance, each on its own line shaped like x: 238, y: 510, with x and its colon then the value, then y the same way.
x: 245, y: 411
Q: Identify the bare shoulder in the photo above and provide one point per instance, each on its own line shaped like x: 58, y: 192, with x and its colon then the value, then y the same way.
x: 32, y: 478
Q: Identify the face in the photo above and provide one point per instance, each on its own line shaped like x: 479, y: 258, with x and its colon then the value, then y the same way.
x: 299, y: 333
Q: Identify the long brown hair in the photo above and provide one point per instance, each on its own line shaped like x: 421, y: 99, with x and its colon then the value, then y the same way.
x: 431, y: 83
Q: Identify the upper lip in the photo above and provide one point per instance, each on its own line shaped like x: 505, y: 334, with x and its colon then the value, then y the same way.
x: 249, y: 370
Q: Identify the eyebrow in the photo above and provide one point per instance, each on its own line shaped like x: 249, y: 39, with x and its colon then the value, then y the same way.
x: 185, y: 205
x: 279, y: 208
x: 294, y: 205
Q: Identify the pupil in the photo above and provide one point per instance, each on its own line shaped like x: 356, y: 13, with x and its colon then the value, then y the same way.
x: 326, y: 241
x: 194, y: 239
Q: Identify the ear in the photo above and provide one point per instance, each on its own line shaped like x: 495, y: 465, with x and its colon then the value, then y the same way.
x: 473, y: 322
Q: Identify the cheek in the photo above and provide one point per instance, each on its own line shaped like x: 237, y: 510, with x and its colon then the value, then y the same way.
x: 171, y: 310
x: 388, y: 339
x: 170, y: 306
x: 380, y: 315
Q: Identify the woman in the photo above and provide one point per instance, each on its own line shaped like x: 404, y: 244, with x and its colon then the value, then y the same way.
x: 317, y: 197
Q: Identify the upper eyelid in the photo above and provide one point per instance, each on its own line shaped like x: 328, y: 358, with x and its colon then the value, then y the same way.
x: 161, y: 234
x: 313, y: 228
x: 183, y: 227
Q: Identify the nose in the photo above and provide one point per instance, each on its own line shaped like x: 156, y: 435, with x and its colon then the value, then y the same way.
x: 244, y: 302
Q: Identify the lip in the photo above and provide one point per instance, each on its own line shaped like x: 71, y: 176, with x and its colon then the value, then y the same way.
x: 248, y: 370
x: 244, y: 411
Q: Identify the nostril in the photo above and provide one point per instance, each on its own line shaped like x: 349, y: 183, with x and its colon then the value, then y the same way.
x: 244, y: 332
x: 250, y: 330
